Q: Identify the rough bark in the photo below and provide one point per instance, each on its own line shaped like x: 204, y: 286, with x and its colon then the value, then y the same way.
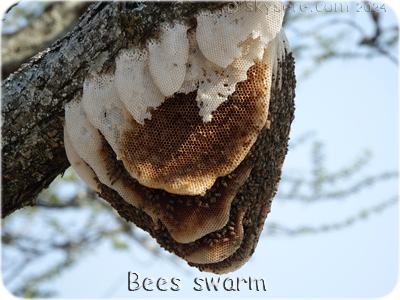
x: 54, y: 23
x: 6, y: 5
x: 33, y: 98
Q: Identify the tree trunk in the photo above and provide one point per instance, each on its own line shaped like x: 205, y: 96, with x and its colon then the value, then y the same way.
x: 33, y: 98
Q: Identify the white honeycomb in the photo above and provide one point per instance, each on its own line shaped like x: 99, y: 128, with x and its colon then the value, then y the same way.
x: 135, y: 85
x: 167, y: 58
x: 219, y: 34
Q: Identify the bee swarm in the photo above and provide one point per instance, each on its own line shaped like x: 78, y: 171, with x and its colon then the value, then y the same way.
x: 187, y: 139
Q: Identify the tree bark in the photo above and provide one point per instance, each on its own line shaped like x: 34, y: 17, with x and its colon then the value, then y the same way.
x: 33, y: 98
x: 55, y: 22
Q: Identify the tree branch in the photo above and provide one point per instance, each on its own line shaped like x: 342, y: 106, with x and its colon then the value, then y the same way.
x: 32, y: 109
x: 33, y: 98
x: 55, y: 22
x: 6, y: 5
x: 367, y: 40
x: 375, y: 18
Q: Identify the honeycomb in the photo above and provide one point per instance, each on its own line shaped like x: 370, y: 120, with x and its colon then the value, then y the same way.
x: 229, y: 248
x: 83, y: 170
x: 222, y: 140
x: 135, y: 86
x: 186, y: 144
x: 178, y: 152
x: 167, y: 59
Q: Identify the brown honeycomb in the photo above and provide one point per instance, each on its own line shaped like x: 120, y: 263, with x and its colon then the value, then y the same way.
x: 182, y: 215
x: 176, y: 148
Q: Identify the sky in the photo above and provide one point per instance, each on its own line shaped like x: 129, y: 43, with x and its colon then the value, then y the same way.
x: 350, y: 106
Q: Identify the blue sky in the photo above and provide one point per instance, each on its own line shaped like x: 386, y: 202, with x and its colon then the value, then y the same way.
x: 351, y: 106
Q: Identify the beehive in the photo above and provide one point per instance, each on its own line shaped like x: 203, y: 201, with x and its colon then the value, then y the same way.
x: 187, y: 138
